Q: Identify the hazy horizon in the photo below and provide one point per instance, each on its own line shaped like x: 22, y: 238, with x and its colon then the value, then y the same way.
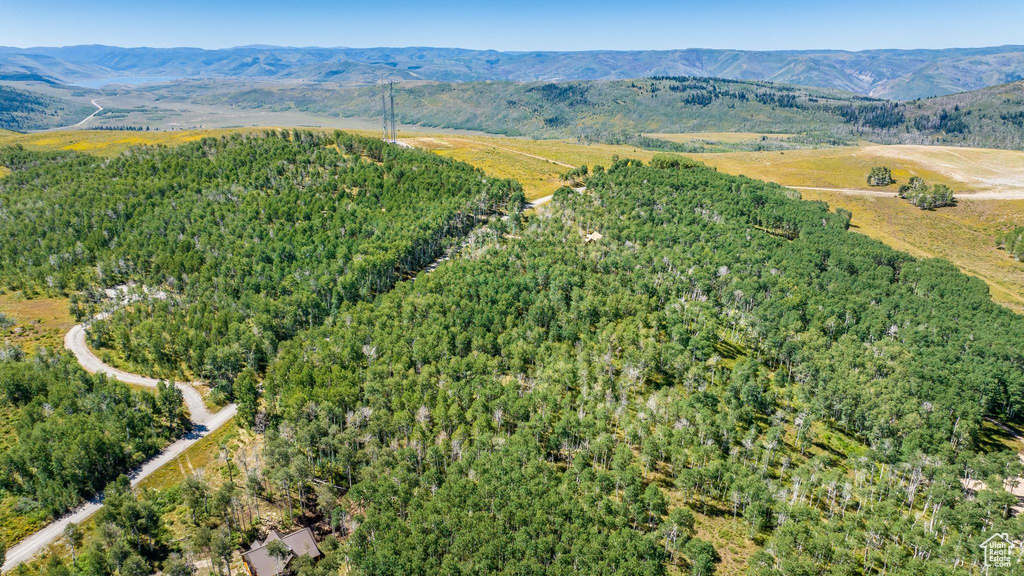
x: 509, y: 51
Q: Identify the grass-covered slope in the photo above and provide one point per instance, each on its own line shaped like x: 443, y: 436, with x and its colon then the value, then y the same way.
x: 618, y: 111
x: 253, y: 237
x: 22, y: 110
x: 593, y: 110
x: 558, y: 401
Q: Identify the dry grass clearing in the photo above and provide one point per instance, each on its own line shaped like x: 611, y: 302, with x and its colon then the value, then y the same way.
x: 38, y: 322
x: 963, y: 169
x: 976, y: 169
x: 845, y: 167
x: 203, y: 457
x: 110, y: 142
x: 536, y: 164
x: 731, y: 539
x: 727, y: 137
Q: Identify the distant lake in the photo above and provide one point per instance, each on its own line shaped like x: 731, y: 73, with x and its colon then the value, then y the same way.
x: 130, y: 80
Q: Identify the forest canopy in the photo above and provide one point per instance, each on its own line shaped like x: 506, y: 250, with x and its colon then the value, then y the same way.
x: 578, y: 391
x: 74, y: 432
x: 703, y: 352
x: 252, y: 237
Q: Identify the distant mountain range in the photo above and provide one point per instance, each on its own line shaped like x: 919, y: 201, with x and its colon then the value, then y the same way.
x: 891, y: 74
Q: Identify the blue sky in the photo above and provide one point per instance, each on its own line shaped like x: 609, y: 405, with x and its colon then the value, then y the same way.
x: 517, y: 25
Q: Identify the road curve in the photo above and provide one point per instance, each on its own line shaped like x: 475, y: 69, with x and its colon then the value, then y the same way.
x: 203, y: 424
x: 90, y: 116
x: 74, y: 341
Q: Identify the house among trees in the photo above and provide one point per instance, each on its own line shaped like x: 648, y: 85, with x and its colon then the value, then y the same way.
x: 272, y: 556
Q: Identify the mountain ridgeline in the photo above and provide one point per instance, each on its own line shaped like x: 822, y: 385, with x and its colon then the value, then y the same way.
x: 892, y: 74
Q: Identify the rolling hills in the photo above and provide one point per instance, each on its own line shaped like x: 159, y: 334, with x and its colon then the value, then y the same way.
x: 618, y: 111
x: 26, y: 110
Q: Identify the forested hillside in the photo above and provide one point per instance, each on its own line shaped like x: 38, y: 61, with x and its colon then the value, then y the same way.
x: 583, y: 390
x: 252, y: 238
x: 22, y: 110
x: 563, y: 402
x: 72, y: 434
x: 618, y: 111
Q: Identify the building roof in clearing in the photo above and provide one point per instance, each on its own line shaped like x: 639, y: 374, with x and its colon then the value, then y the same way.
x: 302, y: 543
x: 261, y: 563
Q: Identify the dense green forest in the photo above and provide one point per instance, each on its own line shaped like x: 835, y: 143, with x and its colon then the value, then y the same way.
x: 551, y: 405
x: 72, y: 433
x: 253, y: 238
x: 551, y: 401
x: 620, y: 111
x: 22, y: 110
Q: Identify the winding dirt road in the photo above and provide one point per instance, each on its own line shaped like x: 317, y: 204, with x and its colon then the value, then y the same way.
x: 538, y: 202
x: 90, y: 116
x: 204, y: 423
x: 74, y: 341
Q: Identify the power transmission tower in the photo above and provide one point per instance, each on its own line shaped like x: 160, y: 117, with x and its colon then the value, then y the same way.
x: 394, y: 131
x: 383, y: 114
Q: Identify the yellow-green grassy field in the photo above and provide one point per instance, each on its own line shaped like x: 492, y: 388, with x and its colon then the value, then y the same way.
x: 844, y: 167
x: 109, y: 142
x: 37, y: 321
x: 203, y: 456
x: 536, y: 164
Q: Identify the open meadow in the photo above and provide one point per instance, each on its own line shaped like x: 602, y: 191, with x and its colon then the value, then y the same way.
x: 34, y: 322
